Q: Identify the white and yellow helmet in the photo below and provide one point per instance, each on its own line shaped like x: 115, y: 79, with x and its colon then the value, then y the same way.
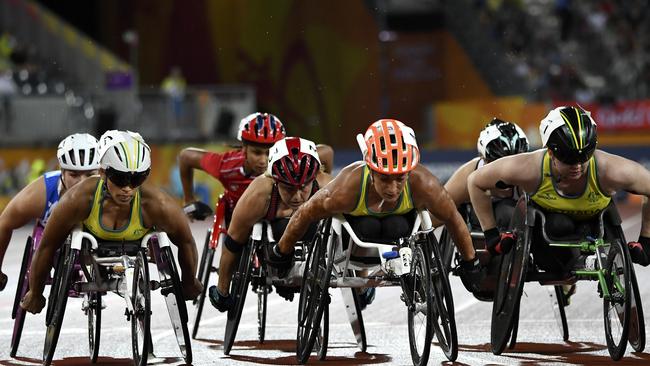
x: 124, y: 151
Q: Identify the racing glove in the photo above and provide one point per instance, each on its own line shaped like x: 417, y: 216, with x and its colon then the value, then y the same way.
x: 472, y: 274
x: 499, y: 243
x: 639, y: 250
x: 197, y: 210
x: 282, y: 262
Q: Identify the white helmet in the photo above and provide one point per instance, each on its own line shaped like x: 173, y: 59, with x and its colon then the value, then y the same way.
x: 500, y: 138
x: 124, y: 151
x: 78, y: 152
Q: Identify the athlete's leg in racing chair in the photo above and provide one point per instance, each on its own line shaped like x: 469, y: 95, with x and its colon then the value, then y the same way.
x: 413, y: 263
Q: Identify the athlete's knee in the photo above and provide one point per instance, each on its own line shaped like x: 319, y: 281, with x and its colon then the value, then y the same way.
x: 232, y: 245
x: 395, y: 227
x: 366, y: 227
x: 559, y: 225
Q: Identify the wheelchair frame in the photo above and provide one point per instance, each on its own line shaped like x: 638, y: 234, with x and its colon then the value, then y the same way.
x: 126, y: 275
x: 329, y: 265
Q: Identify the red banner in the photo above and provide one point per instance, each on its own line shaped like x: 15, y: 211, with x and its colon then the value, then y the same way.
x: 622, y: 116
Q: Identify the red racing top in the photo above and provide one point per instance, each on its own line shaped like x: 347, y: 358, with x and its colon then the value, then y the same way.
x: 228, y: 168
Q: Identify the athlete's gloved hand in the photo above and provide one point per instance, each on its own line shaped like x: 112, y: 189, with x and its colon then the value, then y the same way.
x: 499, y: 243
x: 472, y: 274
x: 639, y: 251
x: 282, y: 262
x: 197, y: 210
x: 3, y: 281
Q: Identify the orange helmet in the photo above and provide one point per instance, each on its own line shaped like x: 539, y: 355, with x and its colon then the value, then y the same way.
x: 389, y: 147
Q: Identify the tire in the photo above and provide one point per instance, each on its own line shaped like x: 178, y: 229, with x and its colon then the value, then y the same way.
x: 204, y: 254
x: 171, y: 289
x: 314, y: 295
x: 616, y: 307
x: 510, y: 282
x: 637, y: 322
x: 262, y: 296
x: 141, y: 316
x: 446, y: 249
x: 323, y: 336
x: 94, y: 315
x: 238, y: 289
x: 205, y: 280
x: 18, y: 313
x: 515, y: 329
x: 444, y: 319
x: 58, y: 299
x: 416, y: 289
x: 560, y: 313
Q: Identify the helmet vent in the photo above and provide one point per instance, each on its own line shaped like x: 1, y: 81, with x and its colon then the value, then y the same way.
x: 72, y: 159
x: 117, y: 152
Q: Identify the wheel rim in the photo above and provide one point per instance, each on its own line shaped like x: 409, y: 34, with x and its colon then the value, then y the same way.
x: 238, y: 289
x: 140, y: 319
x: 617, y: 308
x: 421, y: 309
x: 201, y: 300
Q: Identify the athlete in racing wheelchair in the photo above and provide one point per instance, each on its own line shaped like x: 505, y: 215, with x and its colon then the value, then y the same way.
x: 292, y: 177
x: 385, y: 199
x: 116, y: 207
x: 565, y: 228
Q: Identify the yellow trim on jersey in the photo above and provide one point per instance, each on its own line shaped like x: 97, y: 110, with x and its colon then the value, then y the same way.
x: 134, y: 230
x: 405, y: 200
x: 581, y: 207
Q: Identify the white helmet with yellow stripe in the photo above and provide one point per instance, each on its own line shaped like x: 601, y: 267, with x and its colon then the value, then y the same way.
x: 124, y: 151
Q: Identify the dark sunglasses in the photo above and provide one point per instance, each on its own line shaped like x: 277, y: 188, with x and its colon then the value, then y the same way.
x: 123, y: 179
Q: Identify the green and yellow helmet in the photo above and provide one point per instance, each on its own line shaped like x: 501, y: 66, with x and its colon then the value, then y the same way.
x: 124, y: 151
x: 570, y: 133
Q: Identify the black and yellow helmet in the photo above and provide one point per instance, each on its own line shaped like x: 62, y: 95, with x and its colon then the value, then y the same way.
x: 570, y: 133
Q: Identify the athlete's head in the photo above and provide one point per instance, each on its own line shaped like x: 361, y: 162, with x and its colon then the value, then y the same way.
x: 78, y: 158
x: 569, y: 133
x: 500, y: 138
x: 258, y: 132
x: 390, y: 150
x: 125, y: 163
x: 294, y: 165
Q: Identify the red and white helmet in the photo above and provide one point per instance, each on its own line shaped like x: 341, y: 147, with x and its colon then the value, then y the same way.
x: 294, y: 161
x: 389, y: 147
x: 261, y: 128
x: 78, y: 152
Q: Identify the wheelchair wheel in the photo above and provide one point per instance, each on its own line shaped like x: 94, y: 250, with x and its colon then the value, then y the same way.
x: 204, y: 254
x: 355, y: 315
x: 262, y: 295
x: 637, y: 322
x: 58, y: 299
x: 446, y: 249
x: 616, y: 309
x: 444, y: 320
x: 510, y: 282
x: 18, y: 313
x: 419, y: 299
x: 171, y: 289
x: 204, y: 276
x: 93, y: 310
x: 314, y: 297
x: 323, y: 336
x: 515, y: 329
x: 141, y: 316
x: 238, y: 289
x: 560, y: 314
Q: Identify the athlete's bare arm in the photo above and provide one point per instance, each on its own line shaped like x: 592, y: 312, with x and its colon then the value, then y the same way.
x: 189, y: 159
x: 456, y: 186
x: 71, y: 210
x: 427, y: 192
x: 161, y: 211
x: 250, y: 209
x: 522, y: 170
x: 326, y: 156
x: 27, y: 205
x: 617, y: 173
x: 338, y: 196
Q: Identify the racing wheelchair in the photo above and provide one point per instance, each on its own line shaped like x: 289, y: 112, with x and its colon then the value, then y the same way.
x: 213, y: 242
x: 18, y: 313
x: 338, y: 258
x: 253, y: 270
x: 123, y: 268
x: 611, y: 266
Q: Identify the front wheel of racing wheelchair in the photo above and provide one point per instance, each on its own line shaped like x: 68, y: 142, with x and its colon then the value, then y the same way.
x: 614, y: 273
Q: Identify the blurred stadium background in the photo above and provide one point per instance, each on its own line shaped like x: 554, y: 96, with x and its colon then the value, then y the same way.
x: 183, y: 73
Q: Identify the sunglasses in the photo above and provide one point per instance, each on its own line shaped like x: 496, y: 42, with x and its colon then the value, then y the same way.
x: 123, y: 179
